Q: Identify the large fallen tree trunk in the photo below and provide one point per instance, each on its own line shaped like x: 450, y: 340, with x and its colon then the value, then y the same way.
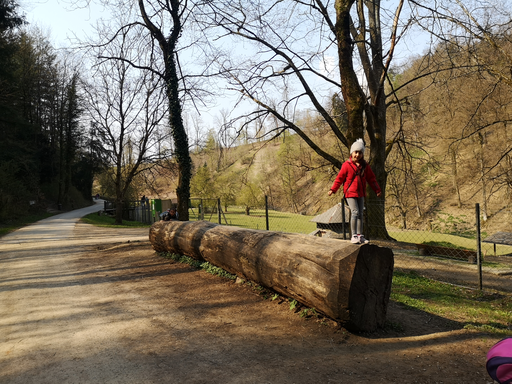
x: 347, y: 282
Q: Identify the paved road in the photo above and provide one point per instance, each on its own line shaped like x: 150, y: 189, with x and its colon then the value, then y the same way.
x: 61, y: 228
x: 44, y: 304
x: 55, y: 228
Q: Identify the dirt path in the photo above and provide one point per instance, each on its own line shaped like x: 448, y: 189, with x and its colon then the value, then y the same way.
x: 99, y: 309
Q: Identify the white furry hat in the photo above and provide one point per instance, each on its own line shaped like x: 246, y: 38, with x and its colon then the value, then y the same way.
x: 357, y: 146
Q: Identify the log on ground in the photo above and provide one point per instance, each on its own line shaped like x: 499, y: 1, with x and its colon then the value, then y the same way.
x: 347, y: 282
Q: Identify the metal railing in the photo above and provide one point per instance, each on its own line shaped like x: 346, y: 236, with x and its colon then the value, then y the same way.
x: 132, y: 210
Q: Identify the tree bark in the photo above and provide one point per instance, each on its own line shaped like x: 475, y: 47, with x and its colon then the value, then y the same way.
x: 348, y: 283
x: 179, y: 136
x: 168, y: 46
x: 353, y: 95
x: 455, y: 176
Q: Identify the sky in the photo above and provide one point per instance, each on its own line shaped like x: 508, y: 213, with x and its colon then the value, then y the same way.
x: 60, y: 19
x: 61, y: 22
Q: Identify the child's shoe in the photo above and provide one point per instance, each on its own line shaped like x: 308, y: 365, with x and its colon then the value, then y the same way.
x: 354, y: 239
x: 362, y: 240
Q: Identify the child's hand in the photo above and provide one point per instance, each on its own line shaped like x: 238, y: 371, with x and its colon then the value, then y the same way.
x: 330, y: 192
x: 378, y: 194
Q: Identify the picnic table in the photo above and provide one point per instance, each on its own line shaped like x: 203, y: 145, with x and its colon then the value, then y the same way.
x: 502, y: 238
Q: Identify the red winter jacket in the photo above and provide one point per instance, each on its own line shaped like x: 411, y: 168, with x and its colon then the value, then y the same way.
x: 354, y: 178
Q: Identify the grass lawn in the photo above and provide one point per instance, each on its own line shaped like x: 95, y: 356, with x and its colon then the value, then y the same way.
x: 295, y: 223
x: 419, y: 237
x: 107, y: 221
x: 474, y: 309
x: 278, y: 221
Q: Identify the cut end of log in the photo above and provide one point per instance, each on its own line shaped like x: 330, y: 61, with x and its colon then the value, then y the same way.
x: 370, y: 288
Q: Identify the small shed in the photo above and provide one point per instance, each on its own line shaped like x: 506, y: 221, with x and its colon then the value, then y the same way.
x: 503, y: 238
x: 334, y: 219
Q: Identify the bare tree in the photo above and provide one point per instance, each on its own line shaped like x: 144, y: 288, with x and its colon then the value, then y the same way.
x: 161, y: 26
x: 127, y: 107
x: 296, y: 48
x: 477, y: 38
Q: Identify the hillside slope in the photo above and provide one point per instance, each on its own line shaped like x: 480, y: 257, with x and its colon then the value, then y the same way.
x: 296, y: 181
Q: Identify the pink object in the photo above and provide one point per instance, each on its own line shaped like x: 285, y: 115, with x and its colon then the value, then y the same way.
x: 499, y: 361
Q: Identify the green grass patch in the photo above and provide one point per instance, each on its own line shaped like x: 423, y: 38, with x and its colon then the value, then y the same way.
x: 278, y: 221
x: 453, y: 241
x: 473, y: 309
x: 445, y: 244
x: 496, y: 265
x: 204, y: 265
x: 22, y: 221
x: 109, y: 222
x: 296, y: 223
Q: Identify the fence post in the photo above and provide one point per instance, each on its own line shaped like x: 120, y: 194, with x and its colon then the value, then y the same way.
x: 201, y: 210
x: 266, y: 212
x: 366, y: 226
x: 343, y: 218
x: 218, y: 210
x: 478, y: 245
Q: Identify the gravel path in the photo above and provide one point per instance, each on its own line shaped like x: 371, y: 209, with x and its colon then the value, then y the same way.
x: 49, y: 318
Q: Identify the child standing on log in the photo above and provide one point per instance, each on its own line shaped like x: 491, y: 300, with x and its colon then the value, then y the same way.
x: 354, y: 174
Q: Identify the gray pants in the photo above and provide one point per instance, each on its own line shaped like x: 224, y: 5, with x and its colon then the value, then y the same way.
x: 356, y: 205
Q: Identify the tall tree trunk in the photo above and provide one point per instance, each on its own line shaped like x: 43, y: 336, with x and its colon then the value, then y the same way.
x: 358, y: 107
x: 417, y: 200
x: 71, y: 123
x: 168, y: 46
x: 61, y: 197
x: 455, y: 179
x: 119, y: 188
x: 376, y: 127
x: 180, y: 139
x: 119, y: 212
x: 376, y: 211
x: 481, y: 140
x: 119, y: 196
x: 353, y: 95
x: 509, y: 179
